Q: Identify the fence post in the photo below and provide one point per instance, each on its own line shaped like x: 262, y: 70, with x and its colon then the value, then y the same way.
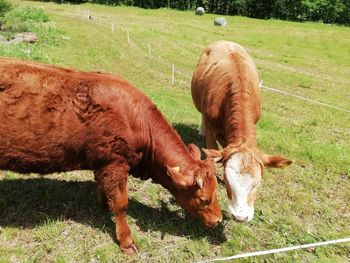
x: 127, y: 33
x: 149, y: 51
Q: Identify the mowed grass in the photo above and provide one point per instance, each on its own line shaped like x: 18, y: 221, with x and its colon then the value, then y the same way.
x: 55, y: 218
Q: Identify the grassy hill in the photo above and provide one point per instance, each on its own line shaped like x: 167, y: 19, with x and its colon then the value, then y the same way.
x: 56, y: 218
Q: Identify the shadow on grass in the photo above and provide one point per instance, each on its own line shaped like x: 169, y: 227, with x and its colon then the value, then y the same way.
x: 170, y: 222
x: 29, y: 203
x: 189, y: 134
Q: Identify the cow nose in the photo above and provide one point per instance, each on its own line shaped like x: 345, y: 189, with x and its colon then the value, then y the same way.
x: 217, y: 222
x: 241, y: 218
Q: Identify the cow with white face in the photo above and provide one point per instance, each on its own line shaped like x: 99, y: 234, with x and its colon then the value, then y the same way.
x: 243, y: 169
x: 225, y: 90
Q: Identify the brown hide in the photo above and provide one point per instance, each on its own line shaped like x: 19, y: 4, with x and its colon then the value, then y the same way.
x: 225, y: 89
x: 55, y: 120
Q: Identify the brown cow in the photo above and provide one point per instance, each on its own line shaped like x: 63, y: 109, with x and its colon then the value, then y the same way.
x: 55, y: 120
x: 225, y: 89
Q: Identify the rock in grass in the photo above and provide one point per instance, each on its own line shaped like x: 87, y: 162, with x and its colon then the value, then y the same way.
x: 200, y: 11
x: 3, y: 39
x: 25, y: 37
x: 220, y: 21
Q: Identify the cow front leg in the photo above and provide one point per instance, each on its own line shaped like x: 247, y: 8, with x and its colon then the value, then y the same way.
x: 102, y: 198
x: 209, y: 137
x: 112, y: 180
x: 201, y: 131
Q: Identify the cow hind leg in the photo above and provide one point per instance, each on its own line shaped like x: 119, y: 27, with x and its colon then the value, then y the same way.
x: 113, y: 180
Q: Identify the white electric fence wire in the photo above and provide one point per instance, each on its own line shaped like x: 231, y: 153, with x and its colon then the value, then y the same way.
x: 303, y: 98
x: 279, y: 250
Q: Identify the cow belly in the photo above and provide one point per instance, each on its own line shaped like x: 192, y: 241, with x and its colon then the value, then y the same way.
x: 37, y: 157
x: 34, y: 135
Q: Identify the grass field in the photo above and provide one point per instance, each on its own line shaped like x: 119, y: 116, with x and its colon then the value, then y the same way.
x: 55, y: 218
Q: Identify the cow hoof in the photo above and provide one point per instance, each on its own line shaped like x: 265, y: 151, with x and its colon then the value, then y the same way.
x: 130, y: 250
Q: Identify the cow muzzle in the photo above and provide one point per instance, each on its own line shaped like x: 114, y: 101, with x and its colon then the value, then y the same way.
x: 242, y: 215
x: 214, y: 223
x: 213, y: 220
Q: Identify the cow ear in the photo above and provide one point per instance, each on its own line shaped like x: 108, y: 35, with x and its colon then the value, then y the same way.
x: 275, y: 161
x: 194, y: 151
x: 213, y: 154
x: 177, y: 177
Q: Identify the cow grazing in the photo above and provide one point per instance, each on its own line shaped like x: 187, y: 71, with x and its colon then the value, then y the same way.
x: 54, y: 120
x: 225, y: 89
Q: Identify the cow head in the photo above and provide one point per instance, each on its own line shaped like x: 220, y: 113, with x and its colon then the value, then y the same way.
x: 195, y: 189
x: 243, y: 168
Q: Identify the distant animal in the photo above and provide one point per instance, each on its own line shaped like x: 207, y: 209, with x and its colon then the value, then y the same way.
x: 55, y: 120
x: 225, y: 90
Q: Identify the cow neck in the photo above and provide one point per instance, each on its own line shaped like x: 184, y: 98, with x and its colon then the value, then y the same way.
x: 165, y: 148
x: 240, y: 126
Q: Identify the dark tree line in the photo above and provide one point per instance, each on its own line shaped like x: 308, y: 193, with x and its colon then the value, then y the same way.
x: 328, y: 11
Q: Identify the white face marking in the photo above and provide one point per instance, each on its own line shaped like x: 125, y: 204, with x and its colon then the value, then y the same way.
x: 240, y: 185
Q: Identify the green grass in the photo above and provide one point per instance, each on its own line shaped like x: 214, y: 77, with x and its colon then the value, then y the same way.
x: 56, y: 218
